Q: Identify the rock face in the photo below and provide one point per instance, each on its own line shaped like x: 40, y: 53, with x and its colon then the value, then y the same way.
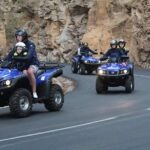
x: 141, y: 32
x: 127, y: 19
x: 54, y: 25
x: 59, y: 25
x: 66, y: 84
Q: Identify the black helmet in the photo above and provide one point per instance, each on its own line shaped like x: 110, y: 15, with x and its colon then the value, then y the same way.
x: 121, y: 41
x: 23, y: 33
x: 81, y: 44
x: 113, y: 42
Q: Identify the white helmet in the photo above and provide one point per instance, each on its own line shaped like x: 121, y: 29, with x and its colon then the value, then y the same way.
x: 20, y: 44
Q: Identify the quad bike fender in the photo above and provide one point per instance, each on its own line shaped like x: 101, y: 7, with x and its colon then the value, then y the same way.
x: 19, y: 82
x: 45, y: 88
x: 75, y: 59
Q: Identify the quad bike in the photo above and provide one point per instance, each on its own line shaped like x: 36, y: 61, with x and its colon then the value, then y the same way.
x: 87, y: 63
x: 115, y: 72
x: 15, y: 89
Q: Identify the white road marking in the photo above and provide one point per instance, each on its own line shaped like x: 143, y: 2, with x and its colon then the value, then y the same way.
x: 147, y: 109
x: 144, y: 76
x: 60, y: 129
x: 3, y: 107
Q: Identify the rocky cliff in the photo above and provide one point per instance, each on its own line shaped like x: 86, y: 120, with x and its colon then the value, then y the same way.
x: 58, y: 25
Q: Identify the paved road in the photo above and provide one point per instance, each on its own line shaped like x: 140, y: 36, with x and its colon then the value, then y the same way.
x: 113, y: 121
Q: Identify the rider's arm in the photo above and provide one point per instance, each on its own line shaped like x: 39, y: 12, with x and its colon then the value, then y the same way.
x: 126, y: 51
x: 31, y: 51
x: 121, y: 52
x: 9, y: 56
x: 32, y: 56
x: 79, y: 51
x: 93, y: 52
x: 107, y: 54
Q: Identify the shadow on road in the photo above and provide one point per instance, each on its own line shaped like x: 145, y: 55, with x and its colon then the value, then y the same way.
x: 116, y: 92
x: 35, y: 113
x: 5, y: 116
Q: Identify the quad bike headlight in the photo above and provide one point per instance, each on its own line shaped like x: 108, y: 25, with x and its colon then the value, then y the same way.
x: 25, y: 53
x: 125, y: 71
x: 99, y: 61
x: 7, y: 82
x: 86, y: 61
x: 101, y: 72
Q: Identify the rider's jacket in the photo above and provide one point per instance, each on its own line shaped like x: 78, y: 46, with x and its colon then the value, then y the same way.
x: 124, y: 51
x: 32, y: 59
x: 114, y: 52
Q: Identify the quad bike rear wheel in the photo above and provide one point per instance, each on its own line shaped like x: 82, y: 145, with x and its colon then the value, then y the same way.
x: 56, y: 100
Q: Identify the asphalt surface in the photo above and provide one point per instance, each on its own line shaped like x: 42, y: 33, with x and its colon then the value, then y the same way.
x: 87, y: 121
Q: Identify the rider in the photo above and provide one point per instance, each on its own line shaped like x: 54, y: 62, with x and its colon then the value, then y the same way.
x: 79, y: 49
x: 113, y: 51
x: 84, y: 50
x: 33, y: 63
x: 122, y: 44
x: 19, y: 48
x: 20, y: 55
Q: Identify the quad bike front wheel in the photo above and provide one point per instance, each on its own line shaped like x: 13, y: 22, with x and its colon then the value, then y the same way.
x: 89, y: 71
x: 129, y: 84
x: 56, y: 100
x: 20, y: 103
x: 74, y: 67
x: 82, y: 69
x: 101, y: 86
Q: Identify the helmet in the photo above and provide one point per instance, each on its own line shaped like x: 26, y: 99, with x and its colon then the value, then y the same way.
x: 81, y: 44
x: 121, y: 41
x: 22, y: 32
x: 20, y: 44
x: 113, y: 42
x: 20, y: 47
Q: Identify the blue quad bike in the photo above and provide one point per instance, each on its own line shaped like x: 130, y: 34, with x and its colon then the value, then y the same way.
x: 15, y: 89
x: 87, y: 63
x: 115, y: 72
